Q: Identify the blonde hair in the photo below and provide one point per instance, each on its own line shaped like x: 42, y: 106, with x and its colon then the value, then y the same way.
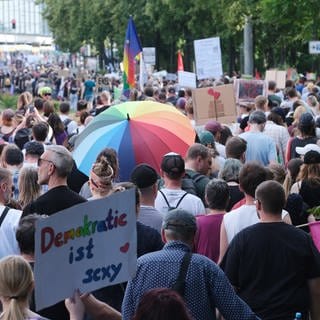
x: 29, y: 189
x: 24, y: 100
x: 16, y: 283
x: 102, y: 175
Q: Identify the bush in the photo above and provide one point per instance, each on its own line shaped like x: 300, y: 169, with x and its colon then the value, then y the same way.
x: 8, y: 101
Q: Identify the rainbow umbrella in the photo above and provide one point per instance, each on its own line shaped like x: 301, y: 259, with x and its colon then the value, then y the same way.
x: 140, y: 131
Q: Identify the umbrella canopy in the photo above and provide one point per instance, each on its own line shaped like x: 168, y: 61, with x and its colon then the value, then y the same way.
x: 140, y: 131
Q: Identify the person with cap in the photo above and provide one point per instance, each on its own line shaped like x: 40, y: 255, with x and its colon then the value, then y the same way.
x: 172, y: 196
x: 215, y: 128
x: 204, y: 287
x: 145, y: 178
x: 275, y: 267
x: 45, y: 93
x: 276, y: 130
x: 307, y: 135
x: 308, y: 179
x: 260, y: 147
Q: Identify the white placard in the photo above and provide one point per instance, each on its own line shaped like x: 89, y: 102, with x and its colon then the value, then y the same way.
x: 208, y: 58
x: 87, y: 247
x: 314, y: 47
x: 171, y: 77
x: 149, y: 55
x: 187, y: 79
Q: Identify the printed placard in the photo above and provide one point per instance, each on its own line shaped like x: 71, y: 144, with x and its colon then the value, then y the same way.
x: 87, y: 247
x: 208, y: 58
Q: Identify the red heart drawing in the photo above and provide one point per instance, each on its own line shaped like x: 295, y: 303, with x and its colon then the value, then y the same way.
x: 210, y: 91
x: 125, y: 247
x: 213, y: 93
x: 216, y: 95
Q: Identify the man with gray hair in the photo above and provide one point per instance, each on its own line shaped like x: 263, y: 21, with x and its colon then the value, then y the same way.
x: 260, y: 147
x: 54, y: 166
x: 202, y: 284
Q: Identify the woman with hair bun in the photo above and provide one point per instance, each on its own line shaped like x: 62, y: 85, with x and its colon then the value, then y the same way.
x: 100, y: 181
x: 16, y: 285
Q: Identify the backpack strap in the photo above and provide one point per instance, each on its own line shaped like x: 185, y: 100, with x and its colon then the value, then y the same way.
x: 181, y: 199
x: 4, y: 214
x: 197, y: 177
x: 165, y: 198
x: 180, y: 284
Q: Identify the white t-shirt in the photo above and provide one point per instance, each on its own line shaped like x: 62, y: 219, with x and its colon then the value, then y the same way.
x: 8, y: 242
x: 190, y: 202
x: 241, y: 218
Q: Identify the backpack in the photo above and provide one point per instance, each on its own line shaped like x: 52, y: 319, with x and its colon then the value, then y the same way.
x: 168, y: 204
x: 195, y: 177
x: 66, y: 123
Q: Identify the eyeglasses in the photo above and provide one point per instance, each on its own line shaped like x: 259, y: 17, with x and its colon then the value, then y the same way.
x: 40, y: 160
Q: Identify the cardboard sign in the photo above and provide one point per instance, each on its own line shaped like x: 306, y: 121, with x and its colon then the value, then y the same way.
x: 87, y: 247
x: 278, y: 76
x: 187, y: 79
x: 208, y: 58
x: 248, y: 90
x: 216, y: 103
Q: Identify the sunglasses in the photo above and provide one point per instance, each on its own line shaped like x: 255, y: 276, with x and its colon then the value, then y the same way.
x: 47, y: 94
x: 40, y: 161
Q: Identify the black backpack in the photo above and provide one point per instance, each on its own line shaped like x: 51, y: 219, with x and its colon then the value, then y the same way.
x: 168, y: 204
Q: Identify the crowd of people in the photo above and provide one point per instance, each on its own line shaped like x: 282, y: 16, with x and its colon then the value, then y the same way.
x: 222, y: 231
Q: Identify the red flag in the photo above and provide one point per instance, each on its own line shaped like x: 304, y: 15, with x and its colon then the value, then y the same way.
x: 257, y: 75
x: 180, y: 62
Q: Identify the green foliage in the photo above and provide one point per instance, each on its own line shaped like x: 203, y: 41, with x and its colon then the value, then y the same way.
x: 8, y: 101
x: 282, y: 29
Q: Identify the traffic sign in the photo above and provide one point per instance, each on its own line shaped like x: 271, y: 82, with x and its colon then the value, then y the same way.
x: 314, y: 47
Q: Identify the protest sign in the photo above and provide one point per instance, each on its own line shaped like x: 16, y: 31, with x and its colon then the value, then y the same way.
x: 216, y: 103
x: 248, y: 90
x: 187, y: 79
x: 149, y: 55
x: 171, y: 77
x: 87, y: 247
x: 278, y: 76
x: 208, y: 58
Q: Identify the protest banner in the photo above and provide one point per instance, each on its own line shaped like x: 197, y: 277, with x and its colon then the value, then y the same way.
x: 248, y: 90
x: 208, y: 58
x: 216, y: 103
x: 278, y: 76
x: 86, y: 247
x: 187, y: 79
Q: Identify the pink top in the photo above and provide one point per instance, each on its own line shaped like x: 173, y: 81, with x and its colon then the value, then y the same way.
x: 207, y: 239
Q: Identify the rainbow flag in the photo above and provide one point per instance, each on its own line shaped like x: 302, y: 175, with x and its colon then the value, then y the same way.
x: 132, y: 48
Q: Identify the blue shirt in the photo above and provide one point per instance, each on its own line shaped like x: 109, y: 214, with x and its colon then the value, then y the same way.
x: 207, y: 287
x: 260, y: 147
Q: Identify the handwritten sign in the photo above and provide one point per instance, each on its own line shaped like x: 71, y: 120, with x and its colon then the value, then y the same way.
x: 88, y: 246
x: 216, y: 103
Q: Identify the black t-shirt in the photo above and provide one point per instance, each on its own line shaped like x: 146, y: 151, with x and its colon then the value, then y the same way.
x: 298, y: 142
x: 55, y: 200
x: 235, y: 196
x: 310, y: 193
x: 270, y: 264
